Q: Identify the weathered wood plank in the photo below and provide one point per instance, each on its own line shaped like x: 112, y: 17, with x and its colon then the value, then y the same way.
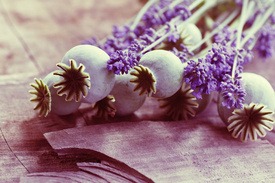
x: 9, y: 159
x: 23, y: 129
x: 50, y: 28
x: 35, y: 36
x: 89, y: 169
x: 195, y: 150
x: 37, y: 33
x: 13, y: 55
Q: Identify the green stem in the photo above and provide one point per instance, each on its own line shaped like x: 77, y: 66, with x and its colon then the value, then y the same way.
x: 195, y: 4
x: 156, y: 42
x: 246, y: 10
x: 217, y: 29
x: 174, y: 20
x: 151, y: 2
x: 172, y: 5
x: 141, y: 13
x: 209, y: 4
x: 242, y: 22
x: 259, y: 22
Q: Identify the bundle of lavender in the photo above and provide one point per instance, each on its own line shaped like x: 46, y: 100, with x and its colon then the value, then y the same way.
x: 179, y: 51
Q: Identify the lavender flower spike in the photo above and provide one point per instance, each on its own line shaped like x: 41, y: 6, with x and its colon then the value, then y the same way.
x: 265, y: 44
x: 122, y: 61
x: 233, y: 93
x: 199, y: 75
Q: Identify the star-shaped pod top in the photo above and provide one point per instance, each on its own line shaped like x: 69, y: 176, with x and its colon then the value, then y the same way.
x: 42, y: 97
x: 75, y: 81
x: 250, y: 121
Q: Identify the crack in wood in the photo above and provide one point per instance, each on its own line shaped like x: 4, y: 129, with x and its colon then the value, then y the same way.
x: 95, y: 175
x: 18, y: 36
x: 86, y: 122
x: 12, y: 151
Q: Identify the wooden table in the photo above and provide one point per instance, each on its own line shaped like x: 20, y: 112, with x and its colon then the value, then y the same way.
x: 35, y: 34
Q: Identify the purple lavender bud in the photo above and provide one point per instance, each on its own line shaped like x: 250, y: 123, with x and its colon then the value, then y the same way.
x: 120, y: 31
x: 233, y: 92
x: 199, y: 75
x: 183, y: 11
x: 272, y: 18
x: 173, y: 37
x: 239, y: 2
x: 92, y: 41
x: 186, y: 50
x: 265, y: 44
x: 180, y: 54
x: 122, y: 61
x: 224, y: 36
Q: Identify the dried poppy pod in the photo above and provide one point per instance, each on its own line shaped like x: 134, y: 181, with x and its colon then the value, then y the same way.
x: 42, y: 96
x: 59, y: 105
x: 183, y: 103
x: 94, y: 60
x: 160, y: 74
x: 75, y: 82
x: 105, y: 107
x: 48, y: 100
x: 126, y: 100
x: 256, y: 116
x: 189, y: 37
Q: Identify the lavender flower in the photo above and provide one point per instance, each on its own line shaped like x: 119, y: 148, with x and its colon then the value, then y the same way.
x: 222, y: 58
x: 265, y: 44
x: 124, y: 56
x: 233, y: 92
x: 122, y: 61
x: 211, y: 73
x: 143, y: 34
x: 179, y: 10
x: 246, y: 55
x: 217, y: 55
x: 180, y: 54
x: 186, y: 50
x: 239, y: 2
x: 92, y: 41
x: 152, y: 17
x: 169, y: 14
x: 174, y: 36
x: 272, y: 18
x: 155, y: 16
x: 225, y: 35
x: 120, y: 31
x: 149, y: 36
x: 199, y: 75
x: 183, y: 11
x: 137, y: 46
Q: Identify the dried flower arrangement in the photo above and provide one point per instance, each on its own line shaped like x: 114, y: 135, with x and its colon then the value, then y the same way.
x: 179, y: 51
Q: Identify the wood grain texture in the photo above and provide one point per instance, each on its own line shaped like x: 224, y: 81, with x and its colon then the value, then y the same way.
x: 35, y: 34
x: 197, y: 150
x: 92, y: 166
